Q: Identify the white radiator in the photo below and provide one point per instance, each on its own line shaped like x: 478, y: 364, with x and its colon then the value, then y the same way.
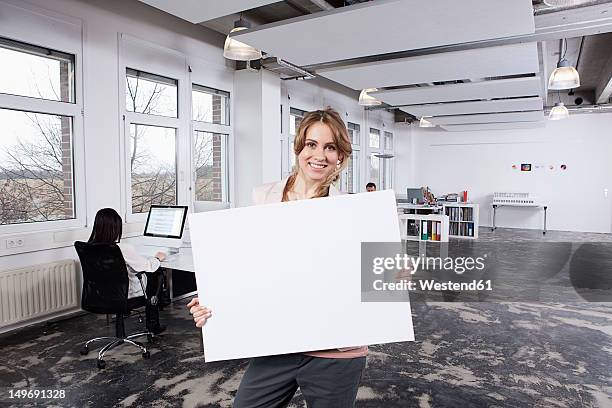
x: 36, y: 291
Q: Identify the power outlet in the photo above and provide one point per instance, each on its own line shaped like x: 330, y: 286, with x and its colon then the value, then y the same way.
x: 14, y: 243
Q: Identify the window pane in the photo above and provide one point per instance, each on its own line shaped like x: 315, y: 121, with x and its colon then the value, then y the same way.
x: 374, y: 138
x: 295, y: 117
x: 388, y: 141
x: 36, y: 162
x: 36, y: 72
x: 353, y: 130
x: 209, y: 105
x: 151, y: 94
x: 210, y: 167
x: 374, y: 175
x: 387, y: 181
x: 153, y: 166
x: 291, y: 153
x: 353, y: 173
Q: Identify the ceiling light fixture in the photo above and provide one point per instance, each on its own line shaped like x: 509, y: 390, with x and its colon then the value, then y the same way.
x: 239, y: 51
x: 558, y: 112
x: 564, y: 76
x: 368, y: 100
x: 424, y: 123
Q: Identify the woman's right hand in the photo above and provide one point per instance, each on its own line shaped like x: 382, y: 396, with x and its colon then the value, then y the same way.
x: 200, y: 313
x: 160, y: 256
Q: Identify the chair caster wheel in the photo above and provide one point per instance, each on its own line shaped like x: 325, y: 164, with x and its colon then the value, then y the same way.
x: 84, y: 351
x: 146, y: 355
x: 101, y: 364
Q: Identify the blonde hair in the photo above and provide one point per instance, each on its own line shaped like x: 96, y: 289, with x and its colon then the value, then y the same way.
x: 342, y: 141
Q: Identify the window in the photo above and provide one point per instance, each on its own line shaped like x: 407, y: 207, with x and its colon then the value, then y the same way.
x: 374, y: 138
x: 209, y: 105
x: 295, y: 118
x: 388, y: 141
x: 210, y: 144
x: 387, y: 160
x: 39, y: 115
x: 380, y: 168
x: 152, y: 152
x: 210, y: 157
x: 151, y: 94
x: 350, y: 178
x: 152, y: 166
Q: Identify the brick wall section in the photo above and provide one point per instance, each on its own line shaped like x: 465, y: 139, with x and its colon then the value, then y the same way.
x: 217, y: 173
x: 66, y: 140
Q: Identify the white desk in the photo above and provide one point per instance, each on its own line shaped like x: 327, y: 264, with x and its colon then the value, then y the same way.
x: 183, y: 261
x: 434, y: 209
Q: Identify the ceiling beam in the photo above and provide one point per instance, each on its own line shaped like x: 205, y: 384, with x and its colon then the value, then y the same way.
x: 588, y: 20
x: 531, y: 116
x: 494, y: 126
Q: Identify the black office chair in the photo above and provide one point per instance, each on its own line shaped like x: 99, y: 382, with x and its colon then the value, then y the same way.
x: 105, y: 291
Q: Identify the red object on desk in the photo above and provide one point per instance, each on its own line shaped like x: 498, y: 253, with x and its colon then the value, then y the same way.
x: 465, y: 196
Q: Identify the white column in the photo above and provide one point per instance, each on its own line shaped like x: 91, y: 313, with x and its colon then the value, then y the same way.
x: 257, y: 128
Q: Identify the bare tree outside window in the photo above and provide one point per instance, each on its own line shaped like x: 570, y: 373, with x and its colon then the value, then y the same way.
x: 209, y: 105
x: 152, y: 166
x: 152, y: 161
x: 209, y: 170
x: 36, y: 158
x: 151, y: 94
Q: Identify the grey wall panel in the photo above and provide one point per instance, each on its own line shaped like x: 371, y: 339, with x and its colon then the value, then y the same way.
x: 495, y: 126
x: 460, y: 108
x: 503, y: 88
x: 385, y: 26
x: 533, y: 116
x: 504, y: 60
x: 197, y: 11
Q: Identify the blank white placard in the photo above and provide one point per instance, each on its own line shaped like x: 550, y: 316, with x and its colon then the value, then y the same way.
x: 286, y: 278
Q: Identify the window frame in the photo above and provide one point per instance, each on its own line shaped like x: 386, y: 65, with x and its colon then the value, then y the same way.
x: 384, y: 163
x: 221, y: 79
x: 74, y: 110
x: 356, y: 147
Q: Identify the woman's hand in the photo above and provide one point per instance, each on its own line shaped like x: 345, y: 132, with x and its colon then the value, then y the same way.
x: 200, y: 313
x: 161, y: 256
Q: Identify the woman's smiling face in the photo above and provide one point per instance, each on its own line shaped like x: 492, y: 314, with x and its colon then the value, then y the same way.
x: 319, y: 157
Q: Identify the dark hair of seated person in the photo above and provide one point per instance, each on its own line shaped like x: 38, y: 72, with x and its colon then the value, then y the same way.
x: 107, y: 227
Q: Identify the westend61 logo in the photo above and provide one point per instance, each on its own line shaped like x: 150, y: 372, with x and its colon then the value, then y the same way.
x: 407, y: 266
x: 486, y: 271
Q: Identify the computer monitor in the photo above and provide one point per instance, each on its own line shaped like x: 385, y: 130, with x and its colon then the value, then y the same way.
x: 415, y: 196
x: 165, y: 225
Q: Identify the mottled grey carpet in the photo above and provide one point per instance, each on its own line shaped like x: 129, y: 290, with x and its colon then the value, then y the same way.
x: 465, y: 355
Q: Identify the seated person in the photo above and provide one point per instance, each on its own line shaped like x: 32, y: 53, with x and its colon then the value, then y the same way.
x: 370, y: 187
x: 107, y: 229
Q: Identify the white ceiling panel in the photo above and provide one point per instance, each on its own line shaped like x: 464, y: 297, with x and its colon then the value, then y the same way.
x: 386, y: 26
x: 198, y: 11
x: 495, y: 126
x: 461, y: 108
x: 533, y: 116
x: 504, y: 60
x: 469, y: 91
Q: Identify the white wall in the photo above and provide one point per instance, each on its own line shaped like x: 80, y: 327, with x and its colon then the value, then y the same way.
x: 257, y: 153
x: 481, y: 162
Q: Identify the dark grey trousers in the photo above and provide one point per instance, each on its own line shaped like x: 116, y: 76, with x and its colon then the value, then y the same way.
x: 271, y: 382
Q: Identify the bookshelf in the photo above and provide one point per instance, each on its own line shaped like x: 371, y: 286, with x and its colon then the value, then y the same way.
x: 463, y: 220
x: 424, y: 227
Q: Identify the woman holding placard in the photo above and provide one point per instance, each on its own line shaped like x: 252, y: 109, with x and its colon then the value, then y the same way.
x: 327, y: 378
